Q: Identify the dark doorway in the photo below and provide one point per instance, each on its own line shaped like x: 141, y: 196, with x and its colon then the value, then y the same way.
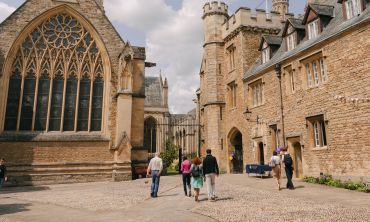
x: 261, y: 154
x: 150, y: 135
x: 237, y: 162
x: 298, y: 168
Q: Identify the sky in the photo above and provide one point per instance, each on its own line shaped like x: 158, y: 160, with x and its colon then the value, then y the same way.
x: 171, y: 32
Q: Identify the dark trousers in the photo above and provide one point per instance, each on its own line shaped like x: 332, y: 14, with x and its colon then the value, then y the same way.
x: 289, y: 176
x: 186, y: 182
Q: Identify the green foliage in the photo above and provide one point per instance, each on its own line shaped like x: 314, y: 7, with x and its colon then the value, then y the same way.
x: 325, y: 179
x: 170, y: 154
x: 335, y: 183
x: 310, y: 179
x: 328, y: 180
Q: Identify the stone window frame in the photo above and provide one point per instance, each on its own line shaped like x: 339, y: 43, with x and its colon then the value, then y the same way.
x: 313, y: 29
x: 266, y: 52
x: 256, y: 93
x: 231, y: 54
x: 12, y: 59
x: 232, y: 95
x: 315, y: 70
x: 352, y: 8
x: 290, y: 79
x: 317, y: 132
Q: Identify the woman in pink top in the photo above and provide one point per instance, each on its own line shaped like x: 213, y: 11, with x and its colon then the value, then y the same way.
x: 185, y: 169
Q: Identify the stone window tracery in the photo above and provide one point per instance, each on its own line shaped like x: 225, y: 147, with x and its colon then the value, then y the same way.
x: 57, y: 79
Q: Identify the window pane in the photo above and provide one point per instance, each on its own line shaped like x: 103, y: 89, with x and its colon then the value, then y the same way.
x: 97, y: 104
x: 56, y: 104
x: 323, y: 131
x: 84, y: 104
x: 12, y: 106
x: 316, y: 134
x: 70, y: 105
x: 316, y: 73
x: 323, y: 71
x: 42, y: 103
x: 27, y: 102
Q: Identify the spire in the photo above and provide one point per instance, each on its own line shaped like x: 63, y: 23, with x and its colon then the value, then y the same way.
x: 165, y: 85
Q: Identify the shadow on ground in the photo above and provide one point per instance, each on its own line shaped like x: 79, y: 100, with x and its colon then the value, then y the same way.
x: 9, y: 190
x: 13, y: 208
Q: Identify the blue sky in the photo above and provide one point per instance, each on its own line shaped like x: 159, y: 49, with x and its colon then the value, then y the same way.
x: 171, y: 31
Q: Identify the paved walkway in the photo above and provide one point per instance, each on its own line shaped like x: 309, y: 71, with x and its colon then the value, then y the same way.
x: 241, y: 198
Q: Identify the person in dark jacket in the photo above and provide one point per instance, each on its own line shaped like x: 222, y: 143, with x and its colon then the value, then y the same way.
x: 3, y: 177
x: 210, y: 171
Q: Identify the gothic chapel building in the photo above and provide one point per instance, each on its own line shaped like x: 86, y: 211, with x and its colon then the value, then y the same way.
x: 71, y: 93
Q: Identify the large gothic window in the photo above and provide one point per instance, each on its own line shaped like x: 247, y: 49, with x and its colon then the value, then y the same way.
x: 57, y: 79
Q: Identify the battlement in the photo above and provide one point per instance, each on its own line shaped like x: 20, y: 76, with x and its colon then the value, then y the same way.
x: 244, y: 17
x: 215, y: 7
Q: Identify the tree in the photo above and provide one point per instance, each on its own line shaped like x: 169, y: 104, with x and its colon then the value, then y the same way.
x: 170, y: 154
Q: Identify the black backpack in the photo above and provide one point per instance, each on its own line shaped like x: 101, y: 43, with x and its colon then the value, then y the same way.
x: 195, y: 171
x: 288, y: 161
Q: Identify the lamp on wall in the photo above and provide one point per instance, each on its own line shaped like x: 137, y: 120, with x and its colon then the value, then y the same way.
x: 247, y: 114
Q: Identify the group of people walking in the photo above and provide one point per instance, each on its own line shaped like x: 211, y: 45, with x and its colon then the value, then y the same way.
x: 194, y: 173
x: 276, y: 164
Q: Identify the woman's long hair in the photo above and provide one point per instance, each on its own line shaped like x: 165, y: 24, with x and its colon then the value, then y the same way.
x: 197, y: 160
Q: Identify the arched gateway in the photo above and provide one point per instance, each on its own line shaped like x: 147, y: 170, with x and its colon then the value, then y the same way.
x: 236, y: 150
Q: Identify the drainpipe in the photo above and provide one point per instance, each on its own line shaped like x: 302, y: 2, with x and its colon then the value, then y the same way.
x: 278, y: 74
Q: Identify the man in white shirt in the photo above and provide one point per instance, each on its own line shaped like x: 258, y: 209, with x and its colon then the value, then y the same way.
x: 155, y: 169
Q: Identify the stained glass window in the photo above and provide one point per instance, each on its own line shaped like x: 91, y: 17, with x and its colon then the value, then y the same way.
x: 27, y: 102
x: 84, y: 105
x: 14, y: 93
x: 54, y: 57
x: 56, y: 104
x: 70, y: 104
x: 97, y: 104
x: 42, y: 103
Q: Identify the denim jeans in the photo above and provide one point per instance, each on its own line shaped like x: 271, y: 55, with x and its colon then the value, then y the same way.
x: 186, y: 182
x: 155, y: 183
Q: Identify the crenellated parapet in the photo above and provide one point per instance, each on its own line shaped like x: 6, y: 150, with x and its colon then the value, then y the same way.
x: 260, y: 20
x: 215, y: 8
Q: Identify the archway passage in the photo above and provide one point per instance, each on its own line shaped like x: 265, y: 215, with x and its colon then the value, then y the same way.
x: 150, y: 134
x: 261, y: 154
x: 298, y: 168
x: 236, y: 141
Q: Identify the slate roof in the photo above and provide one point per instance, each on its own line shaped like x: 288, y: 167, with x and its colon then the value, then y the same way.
x: 271, y: 40
x: 336, y: 26
x: 153, y: 92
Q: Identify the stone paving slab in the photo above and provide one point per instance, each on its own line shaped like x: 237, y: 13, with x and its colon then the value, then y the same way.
x: 241, y: 198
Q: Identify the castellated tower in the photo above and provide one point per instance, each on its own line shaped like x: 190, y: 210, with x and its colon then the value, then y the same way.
x: 281, y: 6
x: 215, y: 14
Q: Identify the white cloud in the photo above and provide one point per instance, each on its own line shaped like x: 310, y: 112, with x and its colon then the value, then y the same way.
x: 5, y: 11
x: 173, y: 41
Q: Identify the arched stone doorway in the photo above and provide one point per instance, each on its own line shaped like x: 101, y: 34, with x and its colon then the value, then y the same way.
x: 298, y: 168
x: 150, y: 134
x: 236, y: 141
x: 261, y: 154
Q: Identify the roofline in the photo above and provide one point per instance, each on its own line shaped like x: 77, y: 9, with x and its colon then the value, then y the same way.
x: 15, y: 11
x: 367, y: 19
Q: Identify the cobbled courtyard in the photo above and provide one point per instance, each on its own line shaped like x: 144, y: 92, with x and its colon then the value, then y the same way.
x: 240, y: 198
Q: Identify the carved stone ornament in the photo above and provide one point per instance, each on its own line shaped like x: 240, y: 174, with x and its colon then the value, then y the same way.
x: 126, y: 68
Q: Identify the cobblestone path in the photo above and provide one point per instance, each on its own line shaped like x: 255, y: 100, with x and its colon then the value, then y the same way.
x: 241, y: 198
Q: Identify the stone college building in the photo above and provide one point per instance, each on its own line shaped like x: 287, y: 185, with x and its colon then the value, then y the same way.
x: 271, y: 79
x: 71, y: 93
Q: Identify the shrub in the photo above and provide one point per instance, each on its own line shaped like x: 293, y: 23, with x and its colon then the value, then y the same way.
x: 325, y: 179
x: 335, y: 183
x: 310, y: 179
x: 170, y: 154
